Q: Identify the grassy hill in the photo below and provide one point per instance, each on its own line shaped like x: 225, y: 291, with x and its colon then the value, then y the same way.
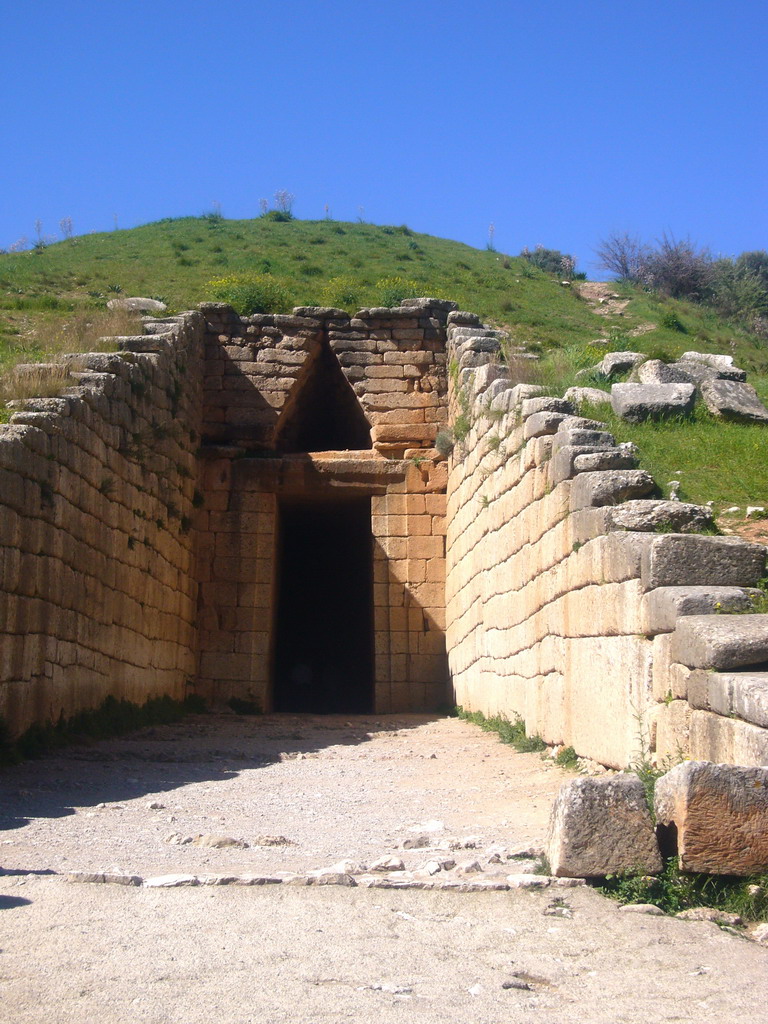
x: 54, y: 298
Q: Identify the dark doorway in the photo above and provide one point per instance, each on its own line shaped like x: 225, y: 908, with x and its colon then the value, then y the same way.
x: 324, y: 626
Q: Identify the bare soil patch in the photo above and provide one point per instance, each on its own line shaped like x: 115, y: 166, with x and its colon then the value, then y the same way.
x: 334, y: 788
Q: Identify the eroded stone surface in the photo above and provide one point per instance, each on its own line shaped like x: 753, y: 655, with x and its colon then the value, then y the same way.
x: 600, y: 827
x: 720, y: 813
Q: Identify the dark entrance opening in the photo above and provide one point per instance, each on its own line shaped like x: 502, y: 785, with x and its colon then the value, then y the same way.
x: 323, y: 659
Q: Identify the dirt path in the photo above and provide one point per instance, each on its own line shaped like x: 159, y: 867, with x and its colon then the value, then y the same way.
x: 355, y: 789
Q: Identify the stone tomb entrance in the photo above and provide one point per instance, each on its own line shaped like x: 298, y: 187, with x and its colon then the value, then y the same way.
x: 323, y: 659
x: 320, y: 540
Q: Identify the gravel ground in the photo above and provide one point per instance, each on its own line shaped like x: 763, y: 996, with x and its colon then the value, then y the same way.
x: 335, y: 789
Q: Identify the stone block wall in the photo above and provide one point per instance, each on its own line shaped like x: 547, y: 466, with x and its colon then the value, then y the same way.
x: 558, y: 584
x: 96, y: 502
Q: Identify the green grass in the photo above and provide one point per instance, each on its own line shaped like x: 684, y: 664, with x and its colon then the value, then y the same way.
x: 714, y: 460
x: 176, y: 259
x: 512, y: 732
x: 674, y: 890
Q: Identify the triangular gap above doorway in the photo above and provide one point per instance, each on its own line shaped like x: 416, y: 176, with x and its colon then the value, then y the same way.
x: 322, y: 412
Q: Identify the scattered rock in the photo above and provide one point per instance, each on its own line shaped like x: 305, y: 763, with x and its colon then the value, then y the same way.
x: 656, y: 372
x: 733, y: 400
x: 614, y: 363
x: 760, y: 933
x: 137, y: 305
x: 591, y: 396
x: 516, y: 983
x: 155, y: 805
x: 387, y: 864
x: 470, y: 867
x: 327, y: 877
x: 415, y: 842
x: 709, y: 914
x: 273, y: 841
x: 214, y: 842
x: 177, y: 839
x: 642, y: 908
x: 525, y: 881
x: 558, y: 910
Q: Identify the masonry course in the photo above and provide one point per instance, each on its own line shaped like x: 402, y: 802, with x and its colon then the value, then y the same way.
x: 145, y: 514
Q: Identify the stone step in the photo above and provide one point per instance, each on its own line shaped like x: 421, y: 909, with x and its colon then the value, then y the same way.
x: 721, y: 641
x: 740, y: 694
x: 690, y: 560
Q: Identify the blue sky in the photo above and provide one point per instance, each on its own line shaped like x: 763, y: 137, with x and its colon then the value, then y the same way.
x: 557, y: 122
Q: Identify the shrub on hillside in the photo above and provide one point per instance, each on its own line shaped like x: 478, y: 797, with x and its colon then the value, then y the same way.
x: 551, y: 261
x: 390, y: 291
x: 680, y: 269
x: 252, y: 293
x: 342, y: 292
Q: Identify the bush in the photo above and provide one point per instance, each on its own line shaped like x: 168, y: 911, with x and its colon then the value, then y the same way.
x: 679, y: 269
x: 392, y: 290
x: 342, y: 292
x: 551, y: 261
x: 252, y: 293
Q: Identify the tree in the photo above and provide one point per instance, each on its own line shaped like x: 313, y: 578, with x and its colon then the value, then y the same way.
x: 623, y: 255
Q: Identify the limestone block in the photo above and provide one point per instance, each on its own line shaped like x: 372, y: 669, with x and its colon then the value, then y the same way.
x: 681, y: 560
x: 609, y: 488
x: 584, y: 396
x: 648, y: 515
x: 670, y: 679
x: 621, y: 457
x: 619, y: 362
x: 743, y: 694
x: 531, y: 406
x: 486, y: 375
x: 718, y: 362
x: 638, y: 402
x: 582, y: 437
x: 662, y: 606
x: 673, y: 731
x: 720, y: 812
x: 540, y: 423
x: 600, y: 827
x: 608, y: 694
x: 563, y: 462
x: 721, y: 641
x: 733, y: 400
x: 716, y: 738
x: 654, y: 371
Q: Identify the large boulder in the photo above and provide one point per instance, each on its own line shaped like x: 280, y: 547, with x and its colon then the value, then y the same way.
x: 720, y: 815
x: 733, y: 400
x: 602, y: 827
x: 638, y: 402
